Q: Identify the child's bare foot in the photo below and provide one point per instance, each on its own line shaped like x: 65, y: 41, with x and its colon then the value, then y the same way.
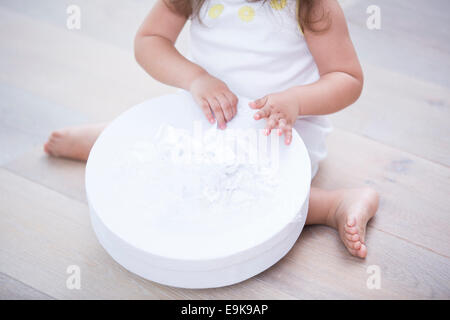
x: 355, y: 207
x: 73, y: 142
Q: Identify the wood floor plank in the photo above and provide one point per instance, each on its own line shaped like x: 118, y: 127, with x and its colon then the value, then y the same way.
x: 96, y: 18
x: 11, y: 289
x: 319, y: 267
x: 402, y: 112
x: 414, y: 192
x: 62, y: 175
x: 33, y: 114
x: 406, y: 98
x: 14, y: 143
x: 26, y: 121
x: 413, y: 39
x: 43, y: 232
x: 71, y: 69
x: 110, y: 21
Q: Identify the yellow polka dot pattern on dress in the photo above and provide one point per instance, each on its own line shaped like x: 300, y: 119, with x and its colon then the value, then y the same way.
x: 215, y: 11
x: 246, y: 13
x: 278, y: 4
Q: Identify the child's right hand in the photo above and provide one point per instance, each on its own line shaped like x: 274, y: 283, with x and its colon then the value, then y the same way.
x: 213, y: 96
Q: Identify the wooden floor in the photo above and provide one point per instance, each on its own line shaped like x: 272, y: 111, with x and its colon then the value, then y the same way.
x: 396, y: 138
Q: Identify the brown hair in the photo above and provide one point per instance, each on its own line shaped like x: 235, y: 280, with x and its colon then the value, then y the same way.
x: 311, y: 14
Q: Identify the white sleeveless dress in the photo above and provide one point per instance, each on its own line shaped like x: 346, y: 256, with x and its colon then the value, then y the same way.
x: 257, y: 48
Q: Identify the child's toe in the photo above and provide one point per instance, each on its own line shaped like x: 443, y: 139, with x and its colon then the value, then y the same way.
x: 351, y: 221
x: 352, y: 237
x: 362, y: 252
x: 350, y: 244
x: 56, y: 134
x: 351, y: 230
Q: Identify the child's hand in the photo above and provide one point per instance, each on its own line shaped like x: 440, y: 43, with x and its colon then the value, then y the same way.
x: 213, y: 95
x: 280, y: 111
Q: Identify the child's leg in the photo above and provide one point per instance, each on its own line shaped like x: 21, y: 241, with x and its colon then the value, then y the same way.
x: 347, y: 211
x: 73, y: 142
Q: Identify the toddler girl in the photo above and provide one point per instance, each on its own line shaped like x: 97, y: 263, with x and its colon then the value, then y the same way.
x: 296, y: 61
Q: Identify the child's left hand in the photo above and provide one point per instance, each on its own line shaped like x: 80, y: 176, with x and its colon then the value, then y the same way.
x: 280, y: 111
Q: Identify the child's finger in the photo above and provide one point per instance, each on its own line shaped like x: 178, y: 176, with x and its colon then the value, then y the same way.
x: 226, y: 107
x: 282, y: 125
x: 272, y: 122
x: 207, y: 111
x: 263, y: 113
x: 218, y: 113
x: 233, y: 100
x: 288, y: 135
x: 258, y: 103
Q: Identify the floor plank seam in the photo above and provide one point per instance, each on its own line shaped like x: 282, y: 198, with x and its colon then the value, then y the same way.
x: 43, y: 185
x: 392, y: 147
x: 413, y: 243
x: 259, y: 278
x: 62, y: 27
x: 29, y: 286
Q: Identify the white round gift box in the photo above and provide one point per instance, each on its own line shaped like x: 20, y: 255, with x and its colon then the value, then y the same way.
x: 188, y: 249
